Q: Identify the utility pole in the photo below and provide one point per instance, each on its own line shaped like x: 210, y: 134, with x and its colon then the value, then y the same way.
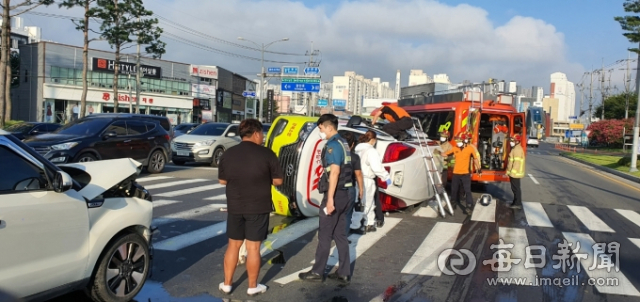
x: 310, y: 106
x: 138, y: 77
x: 627, y: 87
x: 591, y: 96
x: 636, y: 126
x: 602, y: 89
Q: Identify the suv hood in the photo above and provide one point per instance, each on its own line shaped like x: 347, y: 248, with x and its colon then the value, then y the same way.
x: 102, y: 181
x: 50, y: 138
x: 189, y: 138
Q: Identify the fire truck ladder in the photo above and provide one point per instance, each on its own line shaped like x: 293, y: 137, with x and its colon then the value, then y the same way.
x: 430, y: 166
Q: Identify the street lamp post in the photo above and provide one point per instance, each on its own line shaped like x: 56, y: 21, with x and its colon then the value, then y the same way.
x: 262, y: 48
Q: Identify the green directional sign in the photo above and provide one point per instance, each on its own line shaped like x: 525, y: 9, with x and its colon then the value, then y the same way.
x: 301, y: 80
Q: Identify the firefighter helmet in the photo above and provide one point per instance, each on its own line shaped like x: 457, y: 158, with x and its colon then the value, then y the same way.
x: 516, y: 138
x: 444, y: 133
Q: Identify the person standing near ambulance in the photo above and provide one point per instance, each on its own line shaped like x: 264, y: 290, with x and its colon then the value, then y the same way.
x: 462, y: 154
x: 515, y: 170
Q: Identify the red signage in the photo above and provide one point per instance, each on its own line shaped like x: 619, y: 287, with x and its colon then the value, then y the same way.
x: 125, y: 98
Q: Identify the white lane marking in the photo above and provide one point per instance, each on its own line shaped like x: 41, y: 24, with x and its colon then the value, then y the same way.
x: 288, y: 234
x: 590, y: 220
x: 190, y: 167
x: 174, y: 183
x: 517, y: 237
x: 359, y: 245
x: 187, y: 214
x: 163, y: 202
x: 191, y: 238
x: 222, y: 196
x: 190, y: 190
x: 535, y: 214
x: 633, y: 216
x: 635, y: 241
x: 624, y: 286
x: 428, y: 212
x: 484, y: 213
x: 534, y: 179
x: 424, y: 260
x: 152, y: 178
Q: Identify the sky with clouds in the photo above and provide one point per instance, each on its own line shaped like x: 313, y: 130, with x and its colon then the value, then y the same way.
x: 523, y: 41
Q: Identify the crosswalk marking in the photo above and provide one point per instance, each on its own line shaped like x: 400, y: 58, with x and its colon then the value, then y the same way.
x: 484, y: 213
x: 222, y: 196
x: 590, y: 220
x: 535, y: 214
x: 190, y: 190
x: 163, y: 202
x: 624, y: 286
x: 187, y: 214
x: 440, y: 240
x: 287, y: 235
x: 534, y: 179
x: 191, y: 238
x: 359, y: 245
x: 428, y: 212
x: 173, y: 183
x: 517, y: 237
x: 635, y: 241
x: 152, y: 178
x: 631, y: 215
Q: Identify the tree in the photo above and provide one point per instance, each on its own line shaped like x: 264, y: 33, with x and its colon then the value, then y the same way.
x: 5, y: 51
x: 83, y: 25
x: 122, y: 20
x: 616, y: 105
x: 609, y: 131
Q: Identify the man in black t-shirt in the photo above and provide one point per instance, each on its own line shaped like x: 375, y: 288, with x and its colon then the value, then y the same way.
x: 248, y: 170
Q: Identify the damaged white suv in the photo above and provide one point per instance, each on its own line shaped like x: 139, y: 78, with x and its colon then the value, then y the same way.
x: 73, y: 226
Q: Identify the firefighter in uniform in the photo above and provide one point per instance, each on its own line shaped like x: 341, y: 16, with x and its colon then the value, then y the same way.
x: 445, y: 146
x: 334, y: 184
x: 399, y: 121
x: 515, y: 170
x: 462, y: 170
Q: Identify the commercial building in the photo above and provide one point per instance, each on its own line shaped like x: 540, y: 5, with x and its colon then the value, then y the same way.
x: 21, y: 34
x: 51, y: 87
x: 565, y: 92
x: 351, y: 89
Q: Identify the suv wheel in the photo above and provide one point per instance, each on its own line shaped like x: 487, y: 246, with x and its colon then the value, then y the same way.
x: 86, y: 157
x: 215, y: 159
x: 122, y: 269
x: 156, y: 162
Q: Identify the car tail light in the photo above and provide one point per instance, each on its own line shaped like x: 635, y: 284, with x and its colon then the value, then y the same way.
x: 167, y: 137
x: 390, y: 203
x: 382, y: 183
x: 396, y: 152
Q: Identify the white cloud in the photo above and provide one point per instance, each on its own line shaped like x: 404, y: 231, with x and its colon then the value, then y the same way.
x: 373, y: 38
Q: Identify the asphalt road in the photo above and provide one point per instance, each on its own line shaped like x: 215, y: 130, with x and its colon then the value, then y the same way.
x: 399, y: 262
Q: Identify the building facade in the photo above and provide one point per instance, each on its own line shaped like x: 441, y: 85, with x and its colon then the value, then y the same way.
x: 51, y: 87
x: 564, y: 91
x: 418, y: 77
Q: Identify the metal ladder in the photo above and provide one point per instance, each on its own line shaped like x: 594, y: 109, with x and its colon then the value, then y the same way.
x: 438, y: 188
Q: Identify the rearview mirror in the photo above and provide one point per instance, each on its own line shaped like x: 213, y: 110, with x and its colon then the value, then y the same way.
x: 35, y: 131
x: 109, y: 134
x: 62, y: 182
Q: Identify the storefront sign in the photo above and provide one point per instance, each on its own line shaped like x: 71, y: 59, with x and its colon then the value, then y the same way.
x: 106, y: 97
x: 107, y: 65
x: 203, y: 91
x: 202, y: 104
x: 210, y: 72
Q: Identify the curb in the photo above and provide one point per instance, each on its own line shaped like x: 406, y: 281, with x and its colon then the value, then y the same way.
x: 605, y: 169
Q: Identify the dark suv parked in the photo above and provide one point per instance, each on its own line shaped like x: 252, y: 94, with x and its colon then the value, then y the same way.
x: 108, y: 136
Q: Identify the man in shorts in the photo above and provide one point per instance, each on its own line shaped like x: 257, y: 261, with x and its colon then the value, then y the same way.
x: 248, y: 170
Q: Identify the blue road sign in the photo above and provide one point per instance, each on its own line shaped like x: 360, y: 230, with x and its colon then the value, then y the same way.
x: 573, y: 117
x: 323, y: 103
x: 251, y: 94
x: 312, y: 70
x: 300, y: 87
x: 339, y: 103
x: 290, y: 70
x: 273, y: 70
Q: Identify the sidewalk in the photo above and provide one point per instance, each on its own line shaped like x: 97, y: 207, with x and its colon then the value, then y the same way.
x: 605, y: 169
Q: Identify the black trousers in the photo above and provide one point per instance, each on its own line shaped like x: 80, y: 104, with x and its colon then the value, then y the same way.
x: 517, y: 192
x: 464, y: 181
x: 333, y: 227
x: 445, y: 176
x: 378, y: 210
x: 395, y: 128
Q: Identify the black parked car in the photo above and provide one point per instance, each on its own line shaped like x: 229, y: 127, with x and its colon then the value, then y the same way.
x: 29, y: 129
x: 143, y: 138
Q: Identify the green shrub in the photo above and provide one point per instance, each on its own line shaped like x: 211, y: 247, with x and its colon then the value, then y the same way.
x: 626, y: 161
x: 11, y: 123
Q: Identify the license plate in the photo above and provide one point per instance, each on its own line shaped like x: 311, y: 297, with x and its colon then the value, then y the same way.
x: 183, y: 153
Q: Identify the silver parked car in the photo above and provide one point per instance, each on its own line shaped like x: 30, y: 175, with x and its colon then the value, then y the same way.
x: 206, y: 143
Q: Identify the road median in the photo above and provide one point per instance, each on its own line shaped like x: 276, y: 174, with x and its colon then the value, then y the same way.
x: 605, y: 163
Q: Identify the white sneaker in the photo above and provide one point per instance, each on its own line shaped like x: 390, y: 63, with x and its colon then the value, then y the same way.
x: 225, y: 288
x: 260, y: 289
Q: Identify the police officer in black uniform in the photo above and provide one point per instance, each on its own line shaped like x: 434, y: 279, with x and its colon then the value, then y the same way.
x: 334, y: 184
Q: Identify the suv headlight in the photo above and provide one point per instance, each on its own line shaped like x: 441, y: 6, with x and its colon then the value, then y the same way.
x: 65, y: 146
x: 205, y: 143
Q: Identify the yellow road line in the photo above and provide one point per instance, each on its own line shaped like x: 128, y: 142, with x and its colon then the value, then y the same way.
x: 600, y: 174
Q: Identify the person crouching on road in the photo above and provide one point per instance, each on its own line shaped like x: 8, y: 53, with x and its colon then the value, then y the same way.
x: 356, y: 179
x: 334, y: 184
x: 515, y: 170
x: 371, y: 167
x: 461, y: 171
x: 248, y: 165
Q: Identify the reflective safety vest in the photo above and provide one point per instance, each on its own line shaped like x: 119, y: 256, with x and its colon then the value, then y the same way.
x: 345, y: 180
x: 515, y: 169
x: 394, y: 113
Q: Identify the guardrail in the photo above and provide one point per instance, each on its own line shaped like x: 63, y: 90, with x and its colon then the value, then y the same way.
x: 579, y: 149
